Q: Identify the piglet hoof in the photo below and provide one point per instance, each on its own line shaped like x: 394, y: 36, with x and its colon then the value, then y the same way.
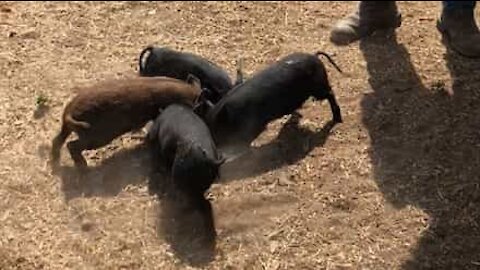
x: 337, y: 115
x: 337, y: 119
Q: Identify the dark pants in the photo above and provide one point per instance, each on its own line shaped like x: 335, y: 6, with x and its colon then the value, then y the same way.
x: 458, y: 4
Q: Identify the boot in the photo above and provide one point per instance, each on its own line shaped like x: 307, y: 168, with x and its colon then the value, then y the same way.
x: 460, y: 32
x: 369, y: 17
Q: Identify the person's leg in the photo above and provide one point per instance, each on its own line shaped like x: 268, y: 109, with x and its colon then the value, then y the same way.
x: 369, y: 16
x: 459, y: 4
x: 457, y: 24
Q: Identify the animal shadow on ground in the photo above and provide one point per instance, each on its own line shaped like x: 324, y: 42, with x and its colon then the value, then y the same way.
x: 425, y: 150
x: 188, y: 230
x: 125, y: 167
x: 291, y: 145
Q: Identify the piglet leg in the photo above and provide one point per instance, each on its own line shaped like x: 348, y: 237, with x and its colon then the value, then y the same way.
x: 75, y: 148
x: 336, y: 112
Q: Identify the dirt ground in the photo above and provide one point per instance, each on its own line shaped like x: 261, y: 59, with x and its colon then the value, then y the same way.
x: 396, y: 186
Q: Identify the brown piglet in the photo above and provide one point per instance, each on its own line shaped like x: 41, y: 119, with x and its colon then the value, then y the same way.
x: 100, y: 113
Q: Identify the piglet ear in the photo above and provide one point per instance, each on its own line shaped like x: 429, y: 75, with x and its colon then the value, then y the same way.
x: 194, y: 80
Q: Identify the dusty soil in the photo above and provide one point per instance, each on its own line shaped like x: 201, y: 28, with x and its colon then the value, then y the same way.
x: 396, y: 186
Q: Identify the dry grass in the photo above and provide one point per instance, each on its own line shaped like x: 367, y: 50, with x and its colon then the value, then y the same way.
x: 394, y: 187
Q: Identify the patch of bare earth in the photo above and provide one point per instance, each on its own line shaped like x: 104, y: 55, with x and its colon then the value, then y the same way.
x: 396, y: 186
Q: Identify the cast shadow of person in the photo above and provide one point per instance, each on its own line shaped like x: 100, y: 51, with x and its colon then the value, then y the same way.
x: 425, y: 150
x: 292, y: 143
